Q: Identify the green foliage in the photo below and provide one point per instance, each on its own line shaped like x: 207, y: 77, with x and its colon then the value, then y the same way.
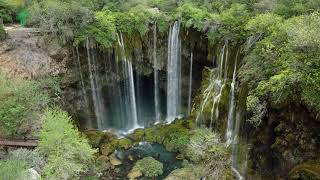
x: 2, y: 32
x: 21, y: 100
x: 135, y: 20
x: 12, y: 169
x: 150, y: 167
x: 66, y: 151
x: 103, y: 30
x: 200, y: 142
x: 283, y: 66
x: 7, y: 11
x: 208, y: 154
x: 61, y: 19
x: 230, y: 24
x: 264, y: 23
x: 31, y: 158
x: 23, y: 16
x: 178, y: 142
x: 192, y: 16
x: 288, y: 8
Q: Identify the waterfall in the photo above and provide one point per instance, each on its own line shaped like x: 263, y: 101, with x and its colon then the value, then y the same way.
x: 98, y: 103
x: 133, y: 98
x: 129, y: 88
x: 84, y: 92
x: 229, y: 132
x: 174, y: 73
x: 190, y: 84
x: 234, y: 156
x: 215, y: 86
x: 156, y: 76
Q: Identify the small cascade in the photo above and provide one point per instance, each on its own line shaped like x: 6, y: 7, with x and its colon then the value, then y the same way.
x: 83, y: 88
x: 98, y: 103
x: 229, y: 132
x: 215, y: 86
x: 132, y: 98
x: 223, y: 71
x: 129, y: 92
x: 174, y: 73
x: 156, y: 75
x: 190, y: 84
x: 235, y: 148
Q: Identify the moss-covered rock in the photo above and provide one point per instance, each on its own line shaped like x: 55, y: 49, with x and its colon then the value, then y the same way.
x: 306, y: 171
x: 183, y: 173
x: 110, y: 146
x: 97, y: 138
x: 168, y: 135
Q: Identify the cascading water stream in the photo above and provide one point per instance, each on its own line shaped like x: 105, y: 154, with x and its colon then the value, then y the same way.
x: 95, y: 89
x: 156, y: 75
x: 133, y: 98
x: 84, y: 92
x: 234, y: 156
x: 230, y: 129
x: 130, y: 96
x: 190, y: 84
x: 174, y: 73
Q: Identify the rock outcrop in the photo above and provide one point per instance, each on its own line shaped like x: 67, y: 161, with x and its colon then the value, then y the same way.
x: 25, y: 53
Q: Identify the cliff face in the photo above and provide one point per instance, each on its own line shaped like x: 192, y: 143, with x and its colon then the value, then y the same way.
x: 27, y: 54
x: 283, y: 145
x: 287, y: 137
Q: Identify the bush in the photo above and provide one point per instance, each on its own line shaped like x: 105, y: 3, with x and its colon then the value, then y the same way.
x: 32, y: 158
x: 61, y: 19
x: 66, y: 151
x: 200, y: 143
x: 150, y: 167
x: 12, y: 169
x: 7, y: 12
x: 2, y: 32
x: 21, y: 100
x: 23, y: 16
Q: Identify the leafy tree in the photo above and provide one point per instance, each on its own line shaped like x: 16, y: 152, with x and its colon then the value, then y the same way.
x: 21, y: 100
x: 103, y: 30
x: 229, y: 24
x: 150, y: 167
x: 61, y: 19
x: 282, y: 67
x: 193, y: 16
x: 289, y: 8
x: 66, y: 151
x: 7, y: 12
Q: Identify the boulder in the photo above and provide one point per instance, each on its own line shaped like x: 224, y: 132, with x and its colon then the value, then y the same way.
x: 135, y: 173
x: 31, y: 174
x: 183, y: 173
x: 114, y: 160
